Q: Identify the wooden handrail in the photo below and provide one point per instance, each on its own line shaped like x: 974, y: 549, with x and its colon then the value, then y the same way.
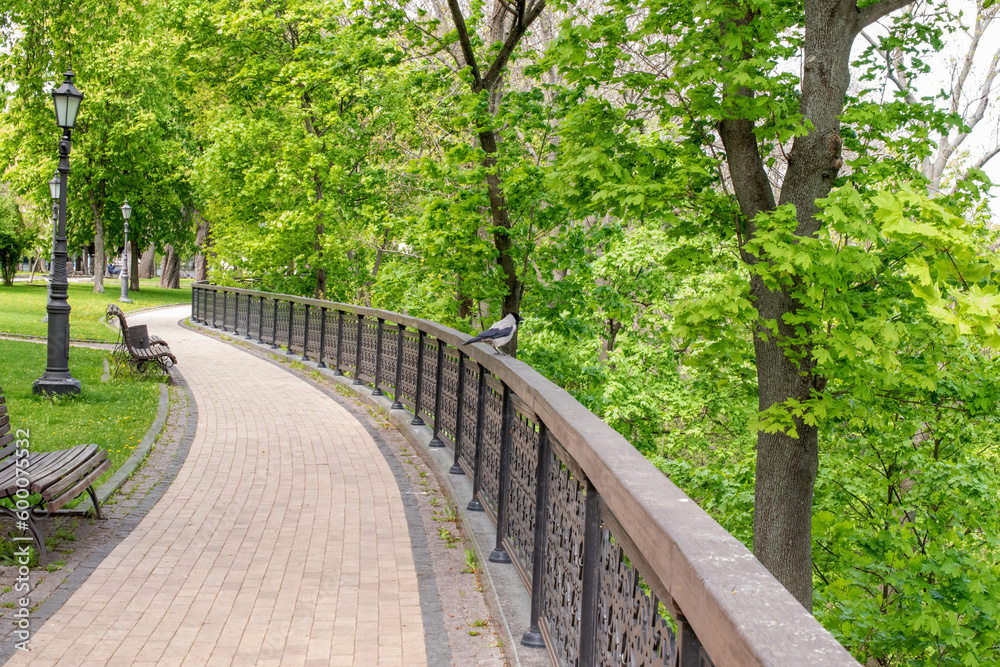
x: 728, y: 609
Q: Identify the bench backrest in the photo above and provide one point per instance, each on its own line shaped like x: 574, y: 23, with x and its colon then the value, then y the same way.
x: 138, y: 336
x: 7, y: 445
x: 136, y: 341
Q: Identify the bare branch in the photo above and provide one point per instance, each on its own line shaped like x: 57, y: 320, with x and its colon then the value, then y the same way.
x: 895, y: 74
x: 984, y: 158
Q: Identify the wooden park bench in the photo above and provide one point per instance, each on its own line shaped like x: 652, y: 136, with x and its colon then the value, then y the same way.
x: 136, y: 349
x: 51, y: 479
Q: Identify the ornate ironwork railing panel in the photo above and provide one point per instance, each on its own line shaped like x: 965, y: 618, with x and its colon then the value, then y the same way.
x: 282, y: 323
x: 298, y: 326
x: 331, y: 338
x: 521, y: 491
x: 390, y: 346
x: 490, y: 457
x: 369, y: 338
x: 470, y: 404
x: 253, y: 317
x: 349, y: 355
x: 448, y: 410
x: 267, y: 321
x: 230, y: 303
x: 562, y: 592
x: 408, y: 383
x: 623, y: 568
x: 632, y: 630
x: 315, y: 329
x: 428, y: 380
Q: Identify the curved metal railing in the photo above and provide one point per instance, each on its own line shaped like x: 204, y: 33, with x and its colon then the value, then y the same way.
x: 623, y: 568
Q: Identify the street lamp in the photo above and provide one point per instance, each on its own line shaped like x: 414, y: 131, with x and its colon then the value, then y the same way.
x: 54, y: 194
x: 57, y: 378
x: 126, y: 213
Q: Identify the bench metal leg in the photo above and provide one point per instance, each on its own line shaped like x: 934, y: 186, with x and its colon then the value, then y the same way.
x: 93, y: 499
x: 36, y: 535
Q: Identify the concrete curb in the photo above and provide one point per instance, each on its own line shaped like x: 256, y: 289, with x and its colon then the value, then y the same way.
x: 499, y: 581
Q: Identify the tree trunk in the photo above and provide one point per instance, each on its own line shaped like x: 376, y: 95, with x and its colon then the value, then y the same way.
x: 170, y: 275
x: 787, y: 464
x: 133, y: 266
x: 203, y: 241
x: 147, y: 263
x: 100, y: 261
x: 318, y: 240
x: 508, y: 34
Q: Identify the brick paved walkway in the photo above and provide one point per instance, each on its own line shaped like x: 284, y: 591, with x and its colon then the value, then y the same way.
x: 283, y: 540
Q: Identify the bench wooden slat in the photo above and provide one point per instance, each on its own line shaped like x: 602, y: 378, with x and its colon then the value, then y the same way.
x: 39, y: 465
x: 53, y: 470
x: 4, y: 423
x: 56, y: 504
x: 8, y: 474
x: 5, y: 442
x: 59, y: 480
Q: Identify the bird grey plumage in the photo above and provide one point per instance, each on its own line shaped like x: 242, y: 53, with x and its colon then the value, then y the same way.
x: 499, y: 334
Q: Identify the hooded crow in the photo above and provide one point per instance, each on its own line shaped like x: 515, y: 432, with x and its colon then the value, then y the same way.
x: 499, y: 334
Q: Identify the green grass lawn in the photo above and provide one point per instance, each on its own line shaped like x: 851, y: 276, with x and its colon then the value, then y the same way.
x: 22, y: 306
x: 114, y: 415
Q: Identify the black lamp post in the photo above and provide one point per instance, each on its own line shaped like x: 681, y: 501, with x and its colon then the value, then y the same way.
x: 57, y: 379
x: 126, y: 213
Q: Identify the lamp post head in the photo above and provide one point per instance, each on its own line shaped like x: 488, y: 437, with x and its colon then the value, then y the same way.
x: 54, y: 187
x: 67, y: 100
x: 126, y: 211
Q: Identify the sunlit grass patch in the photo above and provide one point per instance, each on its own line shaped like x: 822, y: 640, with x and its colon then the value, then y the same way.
x: 22, y: 306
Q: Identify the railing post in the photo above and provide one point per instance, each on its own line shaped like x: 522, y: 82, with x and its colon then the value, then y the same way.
x: 194, y: 304
x: 689, y: 648
x: 225, y: 307
x: 247, y: 336
x: 377, y: 391
x: 397, y: 404
x: 236, y: 315
x: 499, y: 554
x: 477, y: 472
x: 591, y: 577
x: 436, y: 438
x: 340, y: 341
x: 305, y: 336
x: 274, y: 326
x: 456, y: 468
x: 260, y: 321
x: 357, y: 350
x: 291, y: 315
x: 533, y: 636
x: 322, y: 337
x: 215, y: 310
x: 417, y: 421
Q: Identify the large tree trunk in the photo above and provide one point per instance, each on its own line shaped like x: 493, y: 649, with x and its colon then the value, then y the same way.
x: 170, y: 273
x: 133, y: 266
x: 147, y: 263
x: 203, y: 241
x: 787, y: 464
x: 100, y: 261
